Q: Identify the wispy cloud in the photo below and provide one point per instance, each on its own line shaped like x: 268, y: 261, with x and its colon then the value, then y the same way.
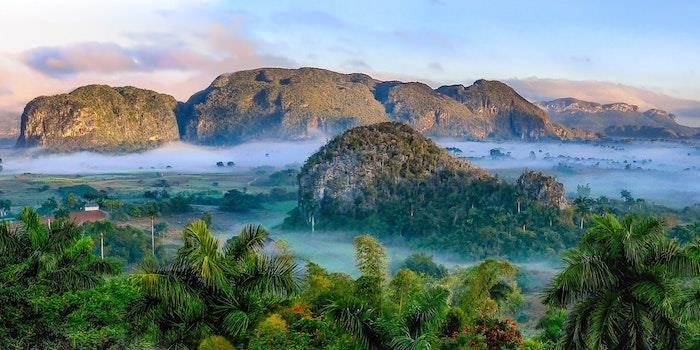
x: 310, y: 19
x: 436, y: 66
x: 109, y: 58
x: 356, y: 64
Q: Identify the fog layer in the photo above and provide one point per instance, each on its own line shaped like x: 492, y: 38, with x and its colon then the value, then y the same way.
x: 666, y: 173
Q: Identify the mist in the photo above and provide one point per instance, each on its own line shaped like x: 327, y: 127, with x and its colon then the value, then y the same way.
x: 175, y: 157
x: 662, y: 172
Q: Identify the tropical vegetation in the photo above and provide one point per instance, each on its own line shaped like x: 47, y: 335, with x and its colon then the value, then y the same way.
x: 626, y: 285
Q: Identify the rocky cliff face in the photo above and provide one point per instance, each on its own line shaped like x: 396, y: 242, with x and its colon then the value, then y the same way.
x: 276, y: 103
x: 306, y: 102
x: 354, y: 169
x: 543, y: 188
x: 430, y: 112
x: 99, y: 118
x: 280, y: 103
x: 372, y: 169
x: 617, y: 119
x: 508, y: 114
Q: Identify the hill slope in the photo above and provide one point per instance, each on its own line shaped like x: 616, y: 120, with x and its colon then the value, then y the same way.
x: 617, y: 119
x: 280, y: 103
x: 509, y: 114
x: 305, y: 102
x: 391, y: 180
x: 277, y: 103
x: 100, y: 118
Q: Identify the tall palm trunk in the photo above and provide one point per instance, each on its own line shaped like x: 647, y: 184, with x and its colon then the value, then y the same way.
x: 102, y: 245
x: 153, y: 239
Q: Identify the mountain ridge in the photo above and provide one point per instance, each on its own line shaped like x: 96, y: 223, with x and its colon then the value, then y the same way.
x: 617, y: 120
x: 294, y: 104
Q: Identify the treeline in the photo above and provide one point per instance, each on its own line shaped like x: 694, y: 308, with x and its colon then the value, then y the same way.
x: 481, y: 219
x: 626, y: 285
x: 157, y: 201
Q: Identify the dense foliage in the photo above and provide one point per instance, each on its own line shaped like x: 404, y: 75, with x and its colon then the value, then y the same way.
x: 626, y: 285
x: 624, y: 282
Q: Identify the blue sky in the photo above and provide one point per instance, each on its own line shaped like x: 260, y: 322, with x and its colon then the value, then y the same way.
x: 178, y: 46
x: 644, y: 43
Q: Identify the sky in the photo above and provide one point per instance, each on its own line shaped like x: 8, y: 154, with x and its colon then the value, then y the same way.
x: 642, y: 52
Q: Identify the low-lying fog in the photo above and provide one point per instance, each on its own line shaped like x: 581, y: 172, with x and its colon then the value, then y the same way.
x: 335, y: 252
x: 666, y: 173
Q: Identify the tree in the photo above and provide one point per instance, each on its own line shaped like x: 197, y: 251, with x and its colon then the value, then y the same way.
x: 102, y: 227
x: 112, y: 204
x: 404, y: 284
x: 489, y: 287
x: 39, y: 268
x: 49, y: 206
x: 627, y: 196
x: 209, y: 291
x: 583, y: 191
x: 60, y: 255
x: 370, y: 257
x: 5, y: 205
x: 206, y: 217
x: 622, y: 284
x: 423, y: 263
x: 239, y: 202
x: 72, y: 202
x: 552, y: 326
x: 152, y: 211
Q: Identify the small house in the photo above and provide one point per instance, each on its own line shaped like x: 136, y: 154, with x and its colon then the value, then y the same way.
x: 91, y: 207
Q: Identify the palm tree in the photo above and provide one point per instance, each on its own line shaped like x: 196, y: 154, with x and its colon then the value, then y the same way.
x: 418, y: 325
x: 101, y: 228
x: 486, y: 287
x: 208, y: 291
x: 622, y: 285
x: 151, y: 210
x: 60, y: 256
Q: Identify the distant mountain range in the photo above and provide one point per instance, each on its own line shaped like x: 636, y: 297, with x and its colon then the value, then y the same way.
x: 295, y: 104
x: 617, y: 120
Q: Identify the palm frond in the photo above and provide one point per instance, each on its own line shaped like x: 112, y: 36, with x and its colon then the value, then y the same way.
x: 406, y: 342
x: 275, y: 276
x: 427, y: 313
x: 251, y: 239
x: 583, y: 273
x: 607, y: 319
x: 10, y: 240
x: 164, y: 285
x: 577, y: 325
x: 236, y: 323
x: 201, y: 253
x: 357, y: 318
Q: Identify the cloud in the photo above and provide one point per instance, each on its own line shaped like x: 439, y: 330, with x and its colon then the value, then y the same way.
x: 436, y: 66
x: 152, y: 62
x: 309, y: 18
x: 356, y: 64
x: 423, y: 38
x: 606, y: 92
x: 108, y: 58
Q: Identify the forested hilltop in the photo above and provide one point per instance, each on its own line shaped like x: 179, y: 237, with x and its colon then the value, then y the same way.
x: 626, y: 285
x: 391, y: 180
